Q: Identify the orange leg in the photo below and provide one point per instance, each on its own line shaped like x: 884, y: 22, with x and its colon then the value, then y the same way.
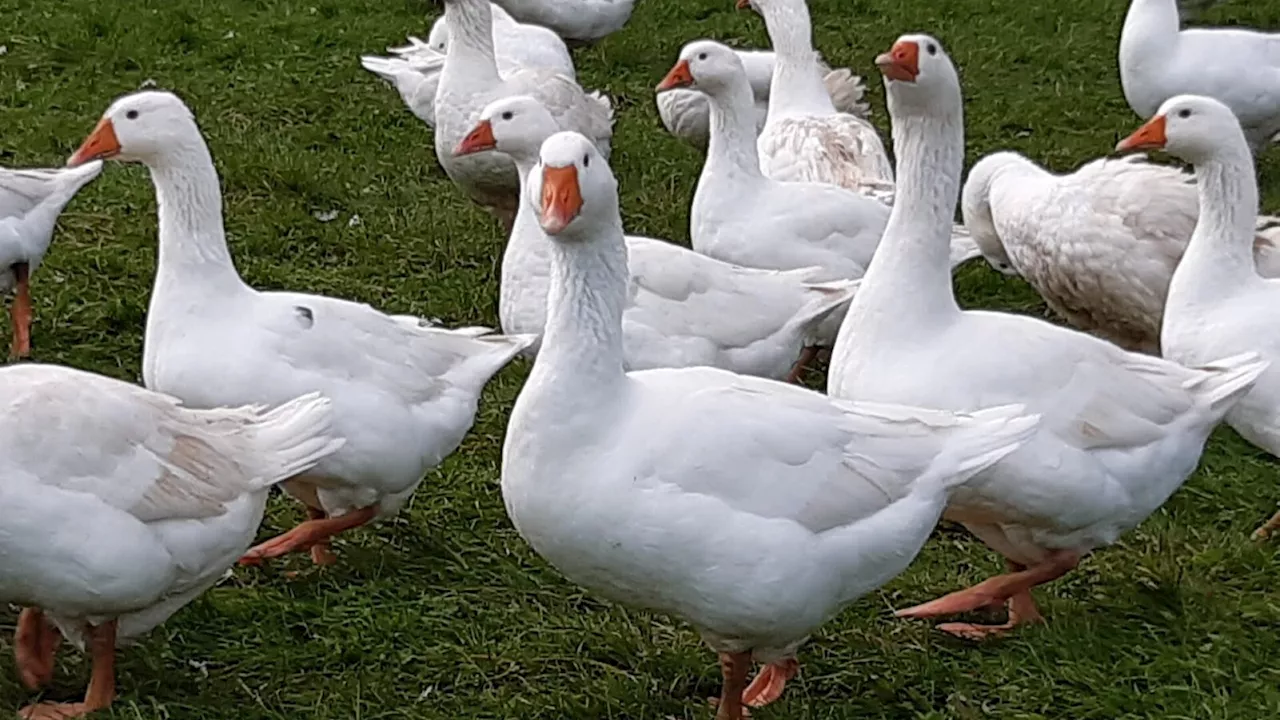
x: 321, y: 552
x: 1268, y: 527
x: 35, y: 643
x: 20, y: 314
x: 769, y: 684
x: 102, y: 683
x: 807, y: 356
x: 734, y: 667
x: 1013, y: 588
x: 306, y: 535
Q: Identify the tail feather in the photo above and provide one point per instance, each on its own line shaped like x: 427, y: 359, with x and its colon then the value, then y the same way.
x: 978, y: 441
x: 1225, y: 381
x: 293, y: 437
x: 848, y: 92
x: 833, y: 296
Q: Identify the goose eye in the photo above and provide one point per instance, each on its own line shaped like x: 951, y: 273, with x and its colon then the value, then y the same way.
x: 702, y: 56
x: 132, y: 114
x: 931, y: 49
x: 1184, y: 113
x: 586, y: 161
x: 506, y: 115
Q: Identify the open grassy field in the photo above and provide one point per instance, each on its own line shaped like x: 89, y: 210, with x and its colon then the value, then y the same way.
x: 445, y: 613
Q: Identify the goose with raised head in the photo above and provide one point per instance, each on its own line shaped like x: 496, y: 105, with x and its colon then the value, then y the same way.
x: 1099, y: 244
x: 30, y: 203
x: 1121, y: 431
x: 686, y: 113
x: 404, y: 392
x: 1217, y: 300
x: 121, y: 506
x: 805, y: 137
x: 581, y: 22
x: 470, y: 81
x: 1237, y: 66
x: 414, y: 69
x: 753, y: 509
x: 683, y: 309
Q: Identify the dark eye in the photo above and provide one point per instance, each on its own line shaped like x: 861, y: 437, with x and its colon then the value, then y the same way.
x: 1184, y: 113
x: 931, y: 49
x: 132, y: 114
x: 506, y: 115
x: 702, y: 56
x: 586, y: 161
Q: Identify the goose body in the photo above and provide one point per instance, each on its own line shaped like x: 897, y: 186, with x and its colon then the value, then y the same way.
x: 1099, y: 244
x: 753, y: 509
x: 154, y: 504
x: 470, y: 81
x: 404, y: 392
x: 1218, y: 302
x: 1120, y: 431
x: 578, y: 21
x: 1237, y: 66
x: 30, y: 203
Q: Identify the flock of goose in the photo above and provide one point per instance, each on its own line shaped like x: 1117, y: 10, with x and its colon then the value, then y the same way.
x: 753, y: 508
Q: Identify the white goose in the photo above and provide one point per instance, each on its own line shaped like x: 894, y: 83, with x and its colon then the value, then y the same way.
x: 1121, y: 431
x: 1098, y: 244
x: 806, y: 138
x: 683, y: 309
x: 578, y: 21
x: 686, y: 113
x: 1217, y: 301
x: 415, y: 69
x: 121, y: 506
x: 470, y: 81
x: 1239, y: 67
x: 742, y: 217
x: 753, y: 509
x: 404, y: 393
x: 30, y: 203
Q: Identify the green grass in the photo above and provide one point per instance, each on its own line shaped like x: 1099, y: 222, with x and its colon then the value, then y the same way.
x: 445, y: 613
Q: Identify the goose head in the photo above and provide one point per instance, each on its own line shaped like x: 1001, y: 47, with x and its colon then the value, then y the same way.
x: 1191, y: 127
x: 140, y: 127
x: 572, y: 188
x: 918, y: 75
x: 515, y: 125
x: 705, y: 65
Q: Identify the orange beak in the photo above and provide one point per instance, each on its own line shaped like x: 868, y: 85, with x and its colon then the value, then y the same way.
x: 743, y: 4
x: 901, y: 63
x: 1148, y: 137
x: 478, y: 140
x: 679, y: 77
x: 100, y: 144
x: 561, y: 198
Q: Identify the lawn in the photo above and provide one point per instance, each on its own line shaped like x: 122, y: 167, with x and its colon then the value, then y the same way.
x: 445, y: 612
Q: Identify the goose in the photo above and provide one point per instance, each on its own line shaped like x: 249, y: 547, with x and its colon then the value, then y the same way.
x: 30, y: 203
x: 121, y: 506
x: 805, y: 137
x: 470, y: 81
x: 683, y: 309
x: 414, y: 70
x: 1238, y: 66
x: 1217, y: 300
x: 740, y: 216
x: 1098, y: 244
x: 404, y: 392
x: 753, y: 509
x: 581, y: 22
x: 1120, y: 431
x: 686, y: 114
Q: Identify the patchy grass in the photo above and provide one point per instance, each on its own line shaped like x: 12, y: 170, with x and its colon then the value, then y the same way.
x: 445, y: 613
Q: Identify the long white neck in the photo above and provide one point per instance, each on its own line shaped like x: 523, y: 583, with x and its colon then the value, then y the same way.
x: 1219, y: 258
x: 1150, y: 33
x: 797, y: 85
x: 582, y: 346
x: 471, y: 55
x: 193, y: 246
x: 731, y: 150
x: 909, y: 281
x: 526, y: 259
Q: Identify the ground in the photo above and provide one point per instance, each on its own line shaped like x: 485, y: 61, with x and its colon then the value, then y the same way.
x: 445, y: 613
